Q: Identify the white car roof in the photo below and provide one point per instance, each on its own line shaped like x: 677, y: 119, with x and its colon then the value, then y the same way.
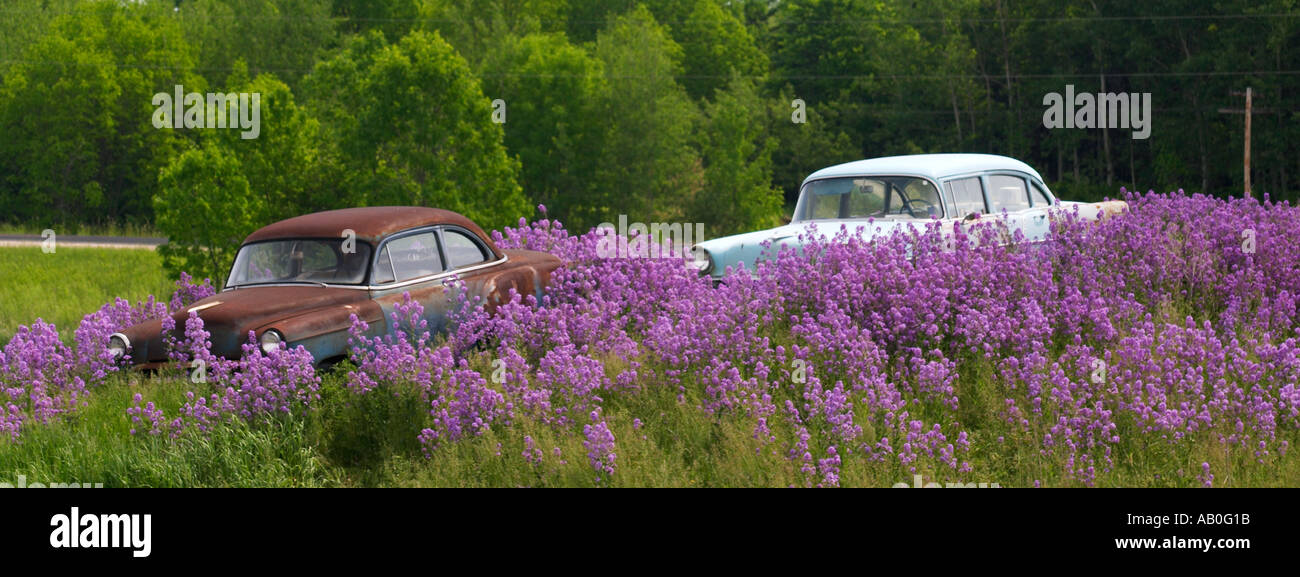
x: 934, y: 166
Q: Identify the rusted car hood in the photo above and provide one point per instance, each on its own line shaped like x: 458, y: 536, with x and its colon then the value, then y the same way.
x: 231, y: 314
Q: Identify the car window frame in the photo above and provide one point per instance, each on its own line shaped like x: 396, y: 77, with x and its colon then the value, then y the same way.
x: 486, y: 255
x: 437, y: 241
x: 492, y: 257
x: 951, y: 198
x: 365, y: 279
x: 383, y: 246
x: 801, y: 207
x: 1042, y: 187
x: 988, y: 190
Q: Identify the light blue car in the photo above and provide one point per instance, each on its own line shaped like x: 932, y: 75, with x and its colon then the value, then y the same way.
x: 882, y: 195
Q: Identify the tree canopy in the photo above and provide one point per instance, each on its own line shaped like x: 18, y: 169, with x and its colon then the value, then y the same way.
x: 707, y: 111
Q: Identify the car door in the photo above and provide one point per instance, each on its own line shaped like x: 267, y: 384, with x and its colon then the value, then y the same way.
x: 412, y: 262
x: 476, y: 266
x: 1008, y: 197
x: 965, y: 197
x: 965, y: 200
x: 1038, y: 217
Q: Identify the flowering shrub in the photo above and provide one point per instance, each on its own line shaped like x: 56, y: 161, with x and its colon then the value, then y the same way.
x: 1172, y: 328
x: 1151, y: 327
x: 460, y: 402
x: 257, y: 388
x: 599, y: 444
x: 41, y: 377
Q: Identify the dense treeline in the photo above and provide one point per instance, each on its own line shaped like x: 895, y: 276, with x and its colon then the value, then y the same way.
x: 665, y: 109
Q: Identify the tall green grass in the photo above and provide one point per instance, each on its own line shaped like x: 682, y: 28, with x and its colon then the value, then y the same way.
x: 64, y: 286
x: 370, y: 440
x: 352, y: 440
x: 95, y: 445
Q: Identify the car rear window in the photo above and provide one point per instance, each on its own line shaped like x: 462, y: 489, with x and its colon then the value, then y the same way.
x: 461, y: 250
x: 1008, y: 193
x: 1039, y: 196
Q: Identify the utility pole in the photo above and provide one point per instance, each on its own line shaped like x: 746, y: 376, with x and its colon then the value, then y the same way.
x: 1248, y: 111
x: 1246, y: 161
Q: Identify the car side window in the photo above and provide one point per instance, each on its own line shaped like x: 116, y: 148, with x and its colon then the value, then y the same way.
x: 461, y: 250
x: 409, y: 257
x: 967, y: 196
x: 383, y: 268
x: 1039, y: 195
x: 916, y: 197
x: 1008, y: 192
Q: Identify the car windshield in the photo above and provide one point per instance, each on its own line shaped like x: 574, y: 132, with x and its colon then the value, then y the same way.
x: 905, y: 197
x: 300, y: 261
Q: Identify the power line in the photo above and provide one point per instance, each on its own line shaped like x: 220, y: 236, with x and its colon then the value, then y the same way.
x: 776, y: 77
x: 834, y: 22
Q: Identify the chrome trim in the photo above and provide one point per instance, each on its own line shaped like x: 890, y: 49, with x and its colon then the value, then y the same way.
x: 312, y: 284
x: 426, y: 278
x: 202, y: 307
x: 261, y: 345
x: 708, y: 265
x: 124, y: 339
x: 433, y: 277
x: 391, y: 267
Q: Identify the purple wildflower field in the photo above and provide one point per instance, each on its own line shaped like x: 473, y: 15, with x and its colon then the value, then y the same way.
x: 1154, y: 347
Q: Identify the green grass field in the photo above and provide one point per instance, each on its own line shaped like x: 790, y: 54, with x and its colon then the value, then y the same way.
x: 370, y: 440
x: 107, y: 229
x: 64, y: 286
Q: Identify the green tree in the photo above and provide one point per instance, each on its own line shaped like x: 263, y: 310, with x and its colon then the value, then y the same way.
x: 716, y: 44
x: 392, y: 18
x: 286, y: 165
x: 830, y: 49
x: 23, y: 22
x: 648, y: 168
x: 206, y: 207
x: 586, y: 18
x: 738, y: 194
x: 553, y: 91
x: 412, y: 126
x: 812, y: 144
x: 478, y: 27
x: 280, y: 174
x: 76, y: 114
x: 284, y: 37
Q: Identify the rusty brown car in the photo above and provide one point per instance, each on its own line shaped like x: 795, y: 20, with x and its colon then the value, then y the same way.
x: 299, y: 281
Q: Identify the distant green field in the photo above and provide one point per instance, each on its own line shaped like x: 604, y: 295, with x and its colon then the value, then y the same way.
x: 65, y: 286
x: 108, y: 229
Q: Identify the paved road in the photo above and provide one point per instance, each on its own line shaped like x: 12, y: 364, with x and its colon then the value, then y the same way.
x: 138, y: 242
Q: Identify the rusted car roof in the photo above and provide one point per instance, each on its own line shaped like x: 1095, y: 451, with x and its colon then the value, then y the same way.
x: 369, y: 223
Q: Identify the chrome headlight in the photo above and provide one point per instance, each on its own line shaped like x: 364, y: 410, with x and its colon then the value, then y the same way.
x: 703, y: 260
x: 119, y: 345
x: 271, y: 340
